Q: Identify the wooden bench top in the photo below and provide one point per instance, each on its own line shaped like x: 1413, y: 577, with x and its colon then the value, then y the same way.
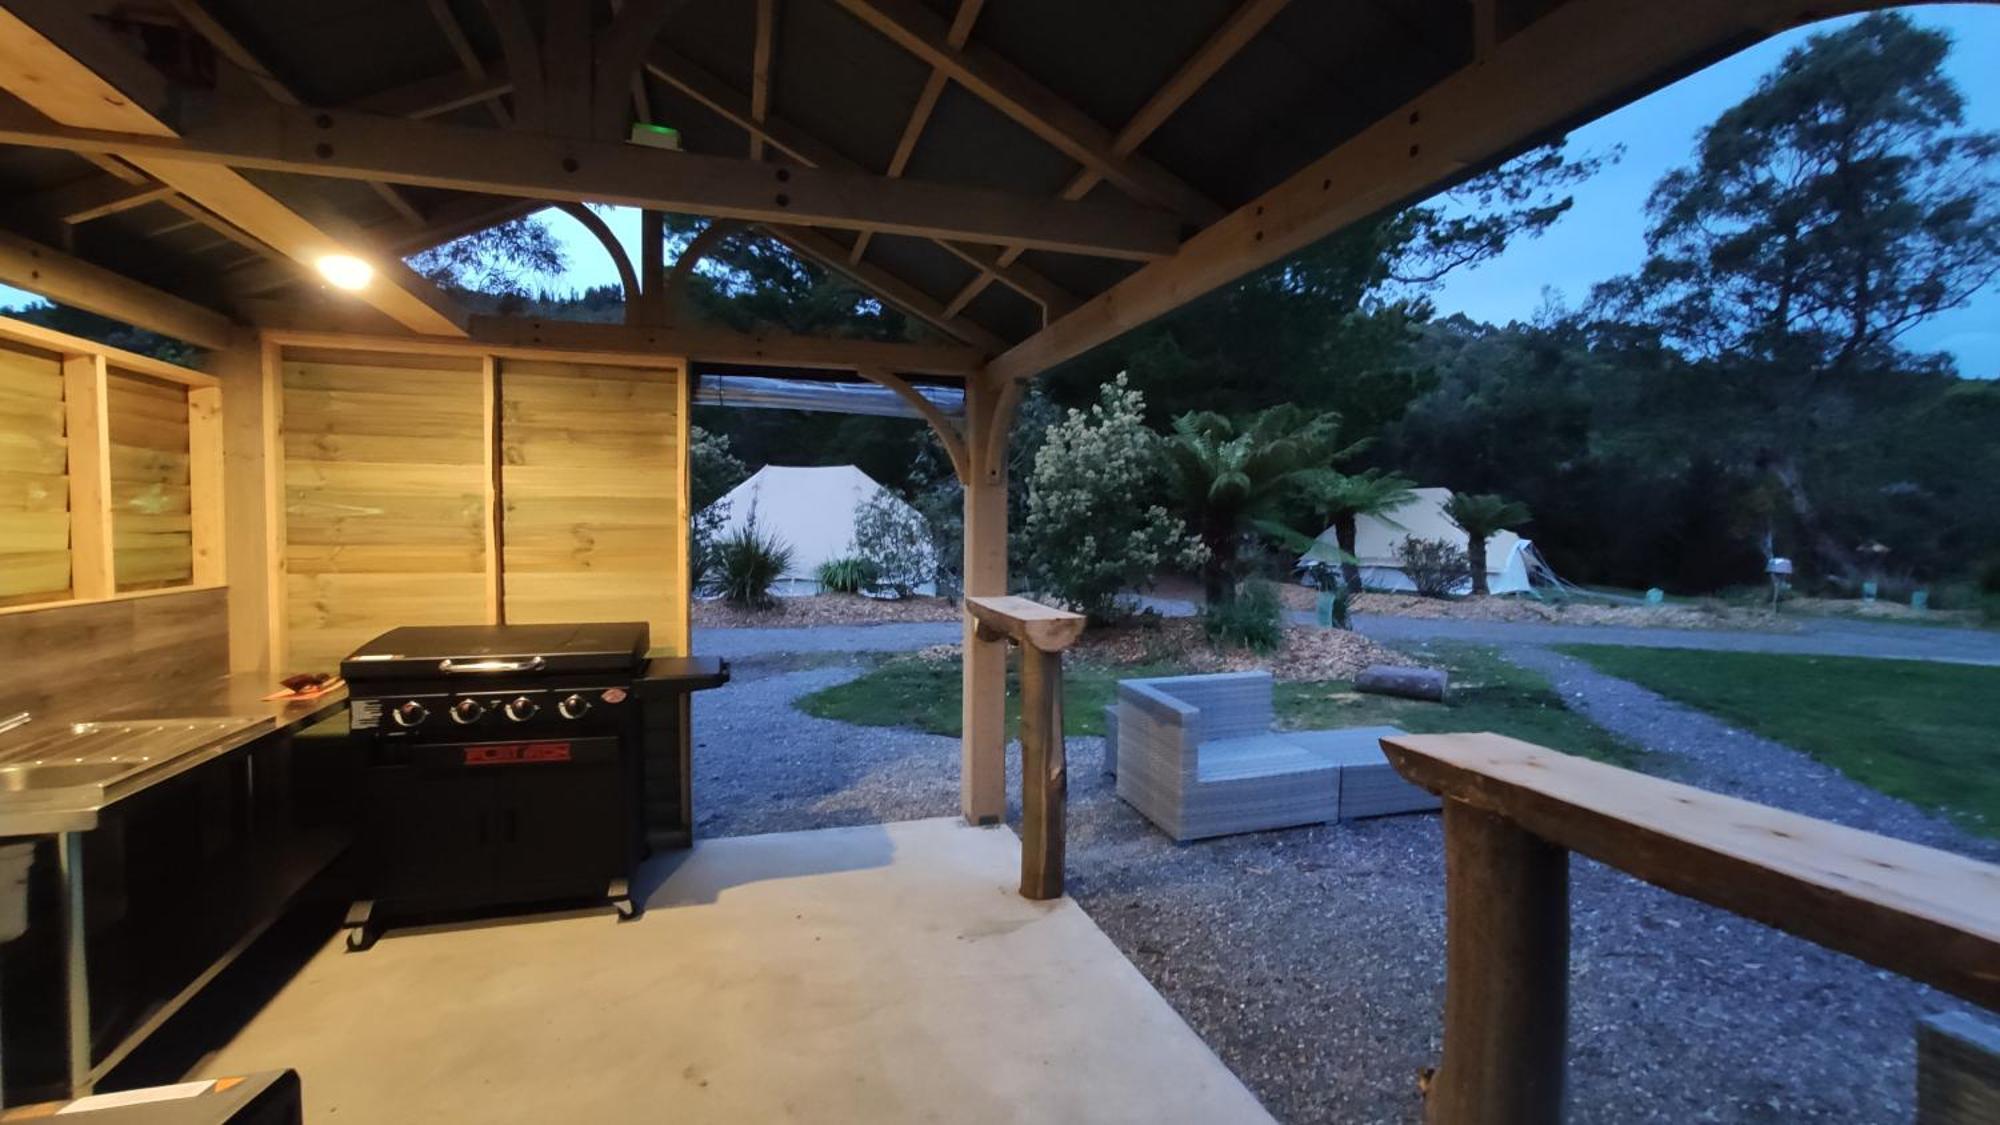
x: 1029, y: 622
x: 1927, y: 914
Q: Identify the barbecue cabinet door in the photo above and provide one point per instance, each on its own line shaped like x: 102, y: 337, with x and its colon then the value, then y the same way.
x: 564, y: 829
x: 434, y: 833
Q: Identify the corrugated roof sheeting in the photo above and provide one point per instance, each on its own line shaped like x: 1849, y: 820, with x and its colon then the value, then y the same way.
x: 335, y: 51
x: 841, y: 83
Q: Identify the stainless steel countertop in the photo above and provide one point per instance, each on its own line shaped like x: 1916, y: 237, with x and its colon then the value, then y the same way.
x: 61, y: 769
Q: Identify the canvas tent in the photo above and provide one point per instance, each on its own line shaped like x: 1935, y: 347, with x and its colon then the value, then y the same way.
x: 1509, y: 558
x: 811, y: 508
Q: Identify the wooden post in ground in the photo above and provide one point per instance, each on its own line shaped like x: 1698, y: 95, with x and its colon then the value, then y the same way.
x: 1506, y: 973
x: 1044, y: 774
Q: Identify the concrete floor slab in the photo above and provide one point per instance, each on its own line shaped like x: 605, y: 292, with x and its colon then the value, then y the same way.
x: 875, y: 974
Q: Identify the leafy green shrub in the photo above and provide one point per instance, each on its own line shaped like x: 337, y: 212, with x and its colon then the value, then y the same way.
x: 893, y: 539
x: 1253, y: 619
x: 849, y: 575
x: 1092, y: 531
x: 1437, y: 567
x: 749, y: 561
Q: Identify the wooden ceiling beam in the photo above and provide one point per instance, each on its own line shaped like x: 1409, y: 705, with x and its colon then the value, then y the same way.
x: 437, y: 95
x: 474, y: 68
x: 691, y: 79
x: 892, y: 289
x: 718, y: 345
x: 239, y: 55
x: 915, y: 28
x: 64, y: 65
x: 1579, y: 59
x: 1236, y: 32
x: 760, y: 72
x: 93, y: 198
x: 69, y: 280
x: 927, y: 99
x: 279, y: 138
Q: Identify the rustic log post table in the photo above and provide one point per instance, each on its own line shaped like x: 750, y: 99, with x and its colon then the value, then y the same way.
x: 1042, y: 633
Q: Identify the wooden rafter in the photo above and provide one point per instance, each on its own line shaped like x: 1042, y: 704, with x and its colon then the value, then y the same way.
x: 760, y: 72
x: 1000, y: 84
x: 1581, y: 54
x: 890, y: 288
x: 688, y: 77
x: 73, y: 281
x: 721, y: 345
x: 65, y: 66
x: 524, y: 59
x: 1235, y: 33
x: 94, y: 198
x: 531, y: 165
x: 920, y: 115
x: 239, y: 54
x: 474, y: 68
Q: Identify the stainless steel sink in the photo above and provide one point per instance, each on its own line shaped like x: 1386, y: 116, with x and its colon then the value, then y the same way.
x: 61, y: 775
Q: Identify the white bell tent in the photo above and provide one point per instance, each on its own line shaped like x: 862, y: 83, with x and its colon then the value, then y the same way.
x: 1511, y: 561
x: 811, y: 509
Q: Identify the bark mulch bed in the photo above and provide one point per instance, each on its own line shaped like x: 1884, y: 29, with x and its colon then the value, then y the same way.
x: 824, y: 609
x: 1308, y: 654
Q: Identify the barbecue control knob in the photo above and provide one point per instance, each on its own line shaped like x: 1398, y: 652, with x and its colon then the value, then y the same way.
x: 467, y: 711
x: 410, y: 714
x: 521, y: 708
x: 573, y: 707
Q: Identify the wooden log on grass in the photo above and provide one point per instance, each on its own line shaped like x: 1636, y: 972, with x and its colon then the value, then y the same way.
x: 1409, y: 683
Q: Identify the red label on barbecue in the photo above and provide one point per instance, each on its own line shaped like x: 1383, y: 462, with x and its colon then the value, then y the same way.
x: 510, y: 753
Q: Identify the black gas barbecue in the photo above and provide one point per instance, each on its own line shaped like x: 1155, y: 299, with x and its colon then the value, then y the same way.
x: 509, y: 764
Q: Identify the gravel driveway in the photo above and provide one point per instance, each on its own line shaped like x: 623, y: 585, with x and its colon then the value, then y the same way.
x: 1312, y: 960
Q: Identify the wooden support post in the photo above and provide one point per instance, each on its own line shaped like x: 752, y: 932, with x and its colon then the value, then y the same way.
x: 207, y: 505
x: 983, y: 744
x: 87, y: 432
x: 1044, y: 774
x: 246, y: 538
x: 1506, y: 973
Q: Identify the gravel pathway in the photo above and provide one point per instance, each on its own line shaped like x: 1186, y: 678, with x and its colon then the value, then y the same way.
x: 1312, y: 960
x: 732, y: 644
x: 1700, y: 749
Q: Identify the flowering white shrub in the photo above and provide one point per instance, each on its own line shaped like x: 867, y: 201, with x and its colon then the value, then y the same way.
x: 1093, y: 530
x: 894, y: 538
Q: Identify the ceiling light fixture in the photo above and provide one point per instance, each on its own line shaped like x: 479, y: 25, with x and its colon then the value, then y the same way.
x: 345, y: 271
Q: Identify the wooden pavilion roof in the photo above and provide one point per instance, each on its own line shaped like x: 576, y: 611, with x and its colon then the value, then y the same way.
x: 1028, y: 177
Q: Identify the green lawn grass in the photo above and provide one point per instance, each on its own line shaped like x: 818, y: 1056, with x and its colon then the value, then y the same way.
x: 1487, y: 694
x: 1928, y: 733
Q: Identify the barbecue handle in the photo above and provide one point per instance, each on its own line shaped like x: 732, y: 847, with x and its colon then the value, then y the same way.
x: 531, y: 664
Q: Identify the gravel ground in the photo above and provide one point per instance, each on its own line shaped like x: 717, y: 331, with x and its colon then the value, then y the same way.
x: 1312, y: 960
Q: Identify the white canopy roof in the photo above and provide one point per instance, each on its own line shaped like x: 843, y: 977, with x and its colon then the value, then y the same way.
x: 811, y: 508
x: 1377, y: 537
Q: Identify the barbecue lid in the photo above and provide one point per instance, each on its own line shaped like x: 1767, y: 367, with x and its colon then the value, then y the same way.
x: 500, y: 650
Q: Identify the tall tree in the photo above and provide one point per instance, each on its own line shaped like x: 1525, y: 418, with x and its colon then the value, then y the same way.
x: 1230, y: 478
x: 1345, y: 497
x: 1837, y: 206
x: 1481, y: 515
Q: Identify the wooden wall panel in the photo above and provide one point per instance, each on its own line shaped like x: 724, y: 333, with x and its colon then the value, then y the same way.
x: 152, y: 526
x: 110, y: 654
x: 385, y: 475
x: 593, y: 495
x: 34, y: 482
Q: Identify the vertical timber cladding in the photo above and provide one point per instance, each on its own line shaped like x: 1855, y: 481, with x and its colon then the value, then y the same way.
x: 152, y: 522
x: 385, y: 471
x: 34, y: 480
x: 593, y: 491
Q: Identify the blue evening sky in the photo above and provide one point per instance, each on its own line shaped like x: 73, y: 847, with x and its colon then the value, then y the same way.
x: 1604, y: 234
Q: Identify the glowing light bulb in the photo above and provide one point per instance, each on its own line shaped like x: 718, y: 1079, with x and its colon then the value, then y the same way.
x: 345, y: 271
